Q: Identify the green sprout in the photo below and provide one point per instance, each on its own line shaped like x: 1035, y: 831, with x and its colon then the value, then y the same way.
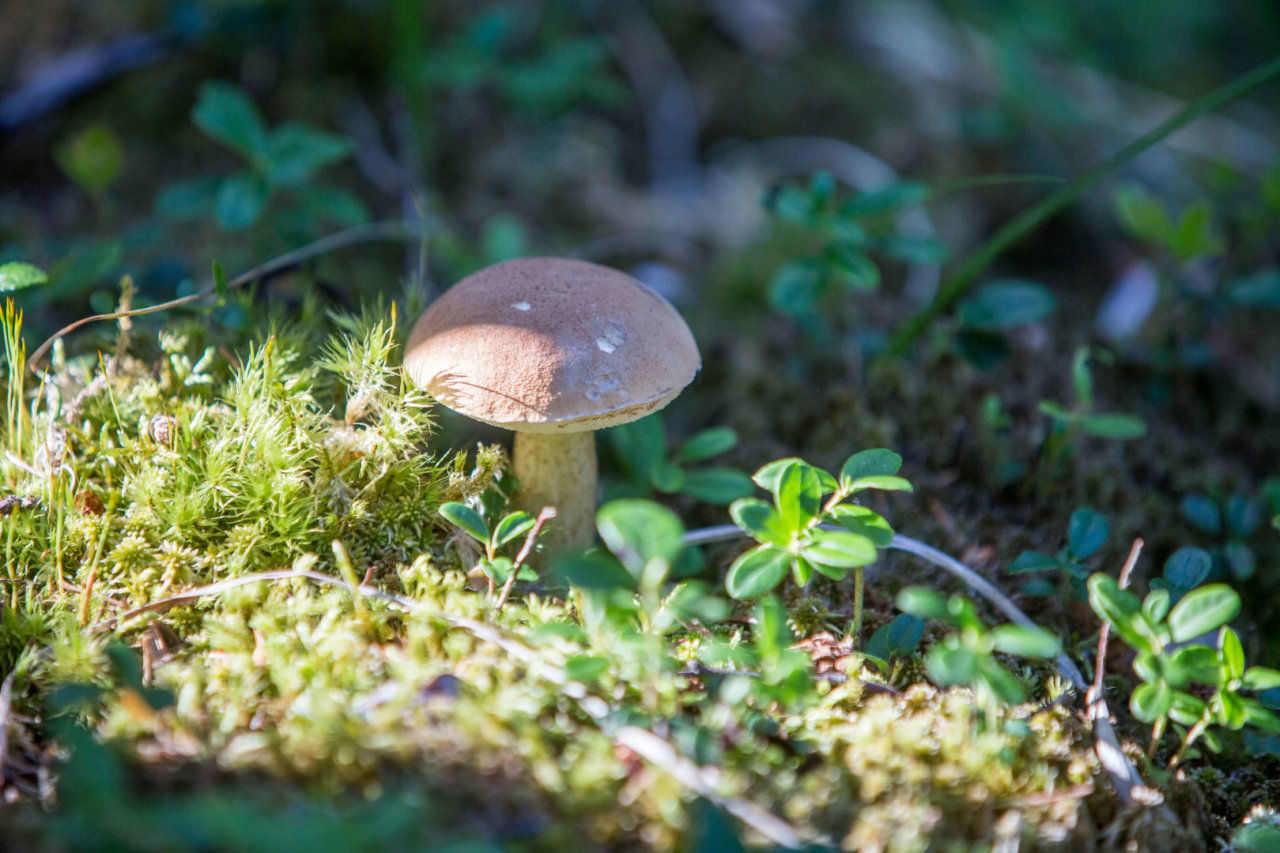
x: 810, y: 528
x: 499, y: 568
x: 966, y: 656
x: 1170, y: 661
x: 1087, y: 532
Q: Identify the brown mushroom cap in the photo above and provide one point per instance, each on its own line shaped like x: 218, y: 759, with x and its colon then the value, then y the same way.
x: 551, y: 345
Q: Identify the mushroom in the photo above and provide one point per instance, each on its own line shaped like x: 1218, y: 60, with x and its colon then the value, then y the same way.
x: 553, y: 349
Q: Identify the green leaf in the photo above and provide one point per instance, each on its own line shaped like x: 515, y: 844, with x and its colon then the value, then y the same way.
x: 757, y: 571
x: 593, y: 570
x: 853, y: 268
x: 1239, y: 559
x: 1156, y: 605
x: 761, y: 521
x: 1203, y: 610
x: 799, y: 496
x: 925, y: 603
x: 1230, y: 711
x: 707, y: 443
x: 666, y: 478
x: 796, y: 288
x: 1142, y: 216
x: 1243, y: 515
x: 1024, y: 642
x: 17, y: 275
x: 1113, y: 425
x: 769, y: 476
x: 187, y: 200
x: 890, y: 198
x: 1191, y: 663
x: 512, y: 526
x: 1122, y: 609
x: 870, y: 463
x: 1256, y: 714
x: 1150, y: 702
x: 296, y: 151
x: 468, y: 519
x: 1185, y: 709
x: 642, y: 444
x: 1033, y: 561
x: 638, y: 531
x: 1087, y: 532
x: 772, y: 636
x: 864, y: 522
x: 91, y: 158
x: 717, y: 485
x: 240, y: 201
x: 220, y: 283
x: 1058, y: 413
x: 498, y: 568
x: 904, y: 634
x: 802, y: 571
x: 1187, y: 567
x: 999, y: 681
x: 225, y: 113
x: 951, y: 665
x: 1203, y: 512
x: 1260, y: 678
x: 1193, y: 236
x: 693, y: 600
x: 332, y: 205
x: 1082, y: 377
x: 840, y: 549
x: 883, y: 483
x: 585, y: 668
x: 1232, y: 653
x: 915, y: 248
x: 1007, y: 304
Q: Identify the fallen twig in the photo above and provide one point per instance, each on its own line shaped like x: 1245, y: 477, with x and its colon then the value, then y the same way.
x: 1125, y: 776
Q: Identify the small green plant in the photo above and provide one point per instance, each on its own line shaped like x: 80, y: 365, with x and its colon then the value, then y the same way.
x: 641, y: 448
x: 966, y: 656
x: 1170, y: 660
x: 811, y: 527
x: 500, y: 569
x: 1081, y: 418
x: 895, y: 641
x: 845, y: 231
x: 1231, y: 522
x: 1086, y: 534
x: 996, y: 309
x: 1185, y: 570
x: 279, y: 162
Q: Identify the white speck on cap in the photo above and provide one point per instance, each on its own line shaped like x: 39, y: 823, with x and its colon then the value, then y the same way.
x: 602, y: 348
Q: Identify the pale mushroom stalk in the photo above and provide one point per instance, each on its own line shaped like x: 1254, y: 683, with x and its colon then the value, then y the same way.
x: 559, y: 470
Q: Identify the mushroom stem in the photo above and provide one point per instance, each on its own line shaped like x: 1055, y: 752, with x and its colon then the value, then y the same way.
x: 559, y: 469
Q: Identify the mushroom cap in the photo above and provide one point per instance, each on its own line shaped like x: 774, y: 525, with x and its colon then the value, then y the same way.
x: 551, y: 345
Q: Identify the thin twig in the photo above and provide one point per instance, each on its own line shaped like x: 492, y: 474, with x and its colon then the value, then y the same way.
x: 548, y: 513
x: 1124, y: 775
x: 703, y: 781
x: 372, y: 232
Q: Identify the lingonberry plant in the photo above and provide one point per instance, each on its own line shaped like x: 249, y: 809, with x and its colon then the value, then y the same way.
x: 812, y: 525
x: 1172, y: 658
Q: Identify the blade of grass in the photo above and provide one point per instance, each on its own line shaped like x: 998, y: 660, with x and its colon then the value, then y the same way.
x: 958, y: 283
